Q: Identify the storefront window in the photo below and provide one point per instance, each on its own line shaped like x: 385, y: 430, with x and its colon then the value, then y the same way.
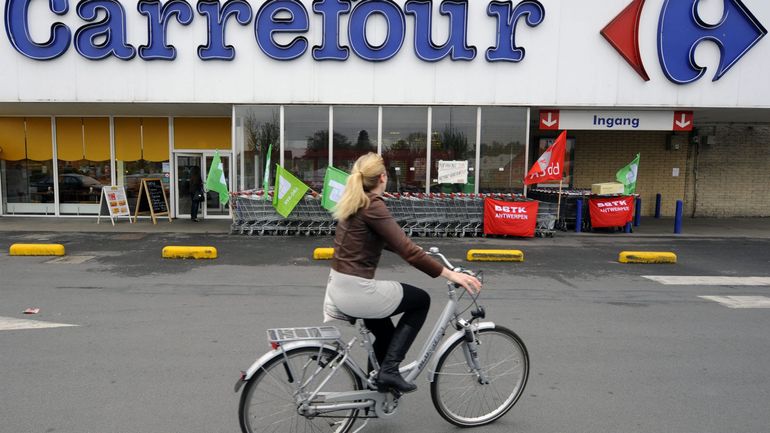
x: 404, y: 147
x: 503, y: 141
x: 257, y: 128
x: 453, y: 138
x: 26, y: 181
x: 141, y: 151
x: 26, y: 165
x: 83, y: 153
x: 306, y: 151
x: 355, y: 134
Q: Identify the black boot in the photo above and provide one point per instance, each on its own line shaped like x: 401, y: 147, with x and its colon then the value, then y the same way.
x: 389, y: 376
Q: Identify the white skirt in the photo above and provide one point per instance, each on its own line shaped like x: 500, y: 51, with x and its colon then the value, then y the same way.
x: 350, y: 296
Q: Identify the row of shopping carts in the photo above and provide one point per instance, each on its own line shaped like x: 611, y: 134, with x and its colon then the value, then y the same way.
x: 427, y: 215
x: 254, y: 214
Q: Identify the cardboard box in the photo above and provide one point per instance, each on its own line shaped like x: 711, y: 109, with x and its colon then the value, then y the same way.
x: 607, y: 188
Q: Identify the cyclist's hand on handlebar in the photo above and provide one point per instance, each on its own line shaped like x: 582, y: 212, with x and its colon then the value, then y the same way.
x: 471, y: 284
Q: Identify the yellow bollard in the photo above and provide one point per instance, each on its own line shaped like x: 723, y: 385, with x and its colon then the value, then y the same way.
x: 36, y: 250
x: 189, y: 253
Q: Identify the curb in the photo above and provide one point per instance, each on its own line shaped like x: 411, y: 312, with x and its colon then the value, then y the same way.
x: 189, y: 253
x: 36, y: 250
x: 646, y: 257
x: 323, y: 253
x: 495, y: 256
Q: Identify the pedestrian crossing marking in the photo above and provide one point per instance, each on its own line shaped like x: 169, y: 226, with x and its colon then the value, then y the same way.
x: 12, y: 324
x: 740, y: 301
x: 71, y: 260
x: 700, y: 280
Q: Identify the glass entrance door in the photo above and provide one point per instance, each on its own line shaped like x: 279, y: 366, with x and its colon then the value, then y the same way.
x: 213, y: 206
x: 189, y: 167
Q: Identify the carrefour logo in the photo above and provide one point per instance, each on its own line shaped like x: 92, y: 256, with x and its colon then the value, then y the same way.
x: 680, y: 31
x: 103, y: 32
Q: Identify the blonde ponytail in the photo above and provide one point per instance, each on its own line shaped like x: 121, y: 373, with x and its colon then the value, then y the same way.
x: 364, y: 177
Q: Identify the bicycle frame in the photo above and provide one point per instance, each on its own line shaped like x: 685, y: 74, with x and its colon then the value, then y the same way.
x: 316, y: 402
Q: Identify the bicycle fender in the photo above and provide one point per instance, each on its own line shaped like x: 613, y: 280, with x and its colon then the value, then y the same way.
x: 459, y: 335
x: 264, y: 359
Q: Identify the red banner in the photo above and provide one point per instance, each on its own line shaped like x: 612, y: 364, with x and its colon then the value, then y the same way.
x: 512, y: 218
x: 611, y: 211
x: 550, y: 165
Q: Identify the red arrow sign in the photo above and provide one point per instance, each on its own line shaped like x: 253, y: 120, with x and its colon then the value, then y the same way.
x: 683, y: 121
x: 549, y: 120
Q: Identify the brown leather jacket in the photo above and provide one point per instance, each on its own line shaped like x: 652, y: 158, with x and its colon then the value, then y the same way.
x: 360, y: 239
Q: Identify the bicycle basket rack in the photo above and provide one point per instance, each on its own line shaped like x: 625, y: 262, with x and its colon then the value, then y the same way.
x: 284, y: 335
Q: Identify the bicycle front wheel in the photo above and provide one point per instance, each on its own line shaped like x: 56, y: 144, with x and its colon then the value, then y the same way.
x: 271, y: 399
x: 459, y: 395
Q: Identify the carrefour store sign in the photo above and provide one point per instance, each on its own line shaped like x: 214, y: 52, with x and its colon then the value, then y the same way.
x: 589, y: 52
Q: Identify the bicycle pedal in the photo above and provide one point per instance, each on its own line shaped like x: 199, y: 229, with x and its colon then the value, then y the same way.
x: 396, y: 393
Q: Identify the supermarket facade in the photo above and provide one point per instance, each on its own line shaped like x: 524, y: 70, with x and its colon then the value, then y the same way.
x: 107, y: 92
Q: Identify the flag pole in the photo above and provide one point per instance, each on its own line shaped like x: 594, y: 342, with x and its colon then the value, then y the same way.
x: 558, y: 205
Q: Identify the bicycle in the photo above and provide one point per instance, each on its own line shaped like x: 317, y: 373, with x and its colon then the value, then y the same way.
x: 310, y: 381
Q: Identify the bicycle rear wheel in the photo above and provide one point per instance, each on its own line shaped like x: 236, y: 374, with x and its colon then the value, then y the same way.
x: 457, y: 393
x: 269, y: 402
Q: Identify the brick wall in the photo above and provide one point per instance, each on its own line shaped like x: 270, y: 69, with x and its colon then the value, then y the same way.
x: 731, y: 173
x: 599, y: 155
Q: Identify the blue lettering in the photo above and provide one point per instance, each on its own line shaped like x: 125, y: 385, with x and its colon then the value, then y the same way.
x: 396, y: 24
x: 217, y: 16
x: 331, y: 11
x: 282, y: 16
x: 157, y: 21
x: 611, y: 122
x: 112, y: 29
x: 455, y: 45
x: 506, y: 50
x: 17, y: 28
x: 680, y: 30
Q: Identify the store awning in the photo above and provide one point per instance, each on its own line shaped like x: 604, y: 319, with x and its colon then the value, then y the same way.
x: 210, y: 133
x: 69, y: 138
x: 12, y: 140
x: 96, y: 138
x: 39, y: 139
x: 128, y: 138
x: 83, y: 138
x: 155, y: 139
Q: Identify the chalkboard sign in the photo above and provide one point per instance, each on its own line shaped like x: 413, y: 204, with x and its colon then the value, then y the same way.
x: 152, y: 199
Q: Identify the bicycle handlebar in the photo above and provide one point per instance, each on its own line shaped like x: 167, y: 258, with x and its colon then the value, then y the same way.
x: 433, y: 251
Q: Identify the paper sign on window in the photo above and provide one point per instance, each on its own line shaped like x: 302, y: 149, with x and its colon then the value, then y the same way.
x: 453, y: 172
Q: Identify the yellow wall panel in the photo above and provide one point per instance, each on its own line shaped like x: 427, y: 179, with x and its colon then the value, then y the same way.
x: 12, y: 146
x: 155, y: 139
x: 128, y: 138
x: 96, y: 138
x: 202, y: 133
x: 39, y: 139
x: 69, y: 138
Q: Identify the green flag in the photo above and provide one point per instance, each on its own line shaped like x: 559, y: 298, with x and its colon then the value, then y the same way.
x: 627, y: 175
x: 266, y: 183
x: 216, y: 181
x: 334, y: 185
x: 288, y: 191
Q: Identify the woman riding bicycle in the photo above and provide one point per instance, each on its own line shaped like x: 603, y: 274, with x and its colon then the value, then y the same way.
x: 364, y: 228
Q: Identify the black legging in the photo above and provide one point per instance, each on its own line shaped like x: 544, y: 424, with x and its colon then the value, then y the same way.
x: 415, y: 305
